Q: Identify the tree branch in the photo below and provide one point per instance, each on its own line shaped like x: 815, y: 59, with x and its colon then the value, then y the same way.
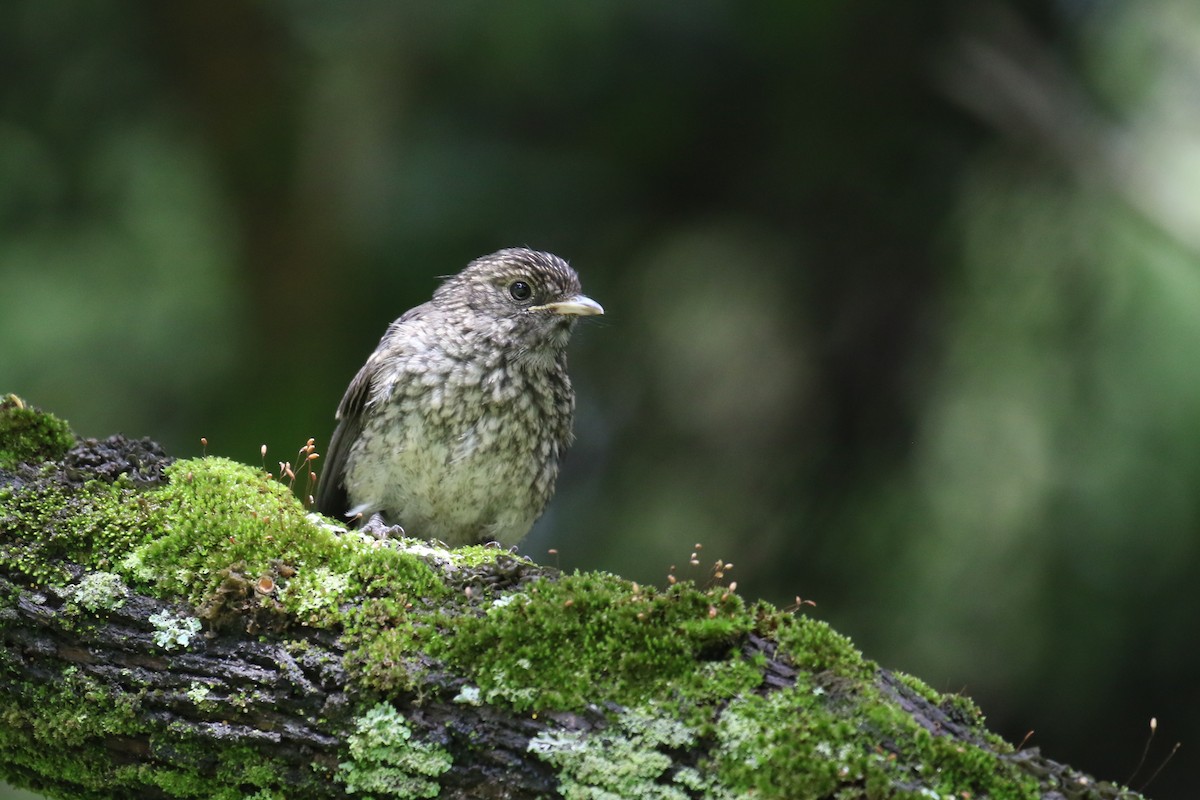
x: 185, y: 629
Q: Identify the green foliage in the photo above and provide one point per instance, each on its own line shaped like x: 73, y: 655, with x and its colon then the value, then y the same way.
x: 388, y: 657
x: 225, y: 514
x: 183, y: 541
x: 221, y: 514
x: 95, y: 524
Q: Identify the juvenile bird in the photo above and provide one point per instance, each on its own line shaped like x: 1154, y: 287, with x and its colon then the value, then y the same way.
x: 455, y: 426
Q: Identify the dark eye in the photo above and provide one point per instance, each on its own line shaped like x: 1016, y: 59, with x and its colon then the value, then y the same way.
x: 520, y: 290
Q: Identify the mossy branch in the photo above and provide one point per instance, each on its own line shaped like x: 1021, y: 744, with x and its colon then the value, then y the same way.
x: 185, y: 629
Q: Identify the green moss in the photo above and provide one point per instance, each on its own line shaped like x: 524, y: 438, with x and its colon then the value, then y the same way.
x: 629, y: 643
x: 947, y: 765
x: 197, y: 769
x: 389, y: 659
x: 214, y: 523
x: 809, y: 742
x: 69, y: 712
x: 787, y: 745
x: 959, y: 708
x: 815, y: 647
x: 92, y: 525
x: 30, y: 436
x: 236, y: 546
x: 180, y: 782
x: 386, y: 760
x: 242, y: 767
x: 920, y: 687
x: 224, y: 515
x: 238, y: 771
x: 218, y: 513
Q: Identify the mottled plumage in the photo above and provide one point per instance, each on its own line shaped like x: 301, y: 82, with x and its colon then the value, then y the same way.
x: 455, y: 426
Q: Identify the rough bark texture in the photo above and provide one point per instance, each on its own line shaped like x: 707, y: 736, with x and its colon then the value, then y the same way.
x: 292, y: 711
x: 289, y: 702
x: 119, y: 678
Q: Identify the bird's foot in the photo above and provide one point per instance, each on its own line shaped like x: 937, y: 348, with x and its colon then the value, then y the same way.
x: 378, y: 527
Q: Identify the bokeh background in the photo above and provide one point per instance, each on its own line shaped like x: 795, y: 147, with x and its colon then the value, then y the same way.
x: 903, y: 298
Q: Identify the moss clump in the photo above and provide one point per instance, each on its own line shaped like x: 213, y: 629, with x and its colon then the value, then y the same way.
x: 216, y: 514
x: 388, y: 659
x: 44, y: 523
x: 815, y: 647
x: 385, y: 758
x: 835, y: 731
x: 30, y: 436
x: 224, y: 516
x: 807, y: 741
x: 947, y: 766
x: 216, y: 535
x: 630, y: 643
x: 786, y: 745
x: 242, y: 767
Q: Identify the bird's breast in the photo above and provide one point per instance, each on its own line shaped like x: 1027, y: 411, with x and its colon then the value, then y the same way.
x: 469, y: 455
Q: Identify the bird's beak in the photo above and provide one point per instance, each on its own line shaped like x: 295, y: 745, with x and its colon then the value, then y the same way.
x: 579, y: 306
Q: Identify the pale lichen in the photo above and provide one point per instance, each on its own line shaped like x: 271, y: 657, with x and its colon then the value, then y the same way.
x: 630, y: 759
x: 171, y: 631
x: 386, y: 760
x: 100, y: 591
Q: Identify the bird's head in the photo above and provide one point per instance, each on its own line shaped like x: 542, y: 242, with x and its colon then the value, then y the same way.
x: 535, y: 296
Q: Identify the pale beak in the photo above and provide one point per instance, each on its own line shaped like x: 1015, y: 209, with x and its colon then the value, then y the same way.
x: 579, y: 306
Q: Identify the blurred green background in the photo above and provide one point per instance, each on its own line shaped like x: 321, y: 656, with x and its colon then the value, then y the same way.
x: 903, y: 298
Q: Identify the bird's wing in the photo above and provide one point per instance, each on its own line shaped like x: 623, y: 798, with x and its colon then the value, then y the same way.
x: 331, y: 489
x: 332, y: 500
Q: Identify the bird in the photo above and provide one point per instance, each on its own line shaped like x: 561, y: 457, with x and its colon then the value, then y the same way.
x: 455, y: 426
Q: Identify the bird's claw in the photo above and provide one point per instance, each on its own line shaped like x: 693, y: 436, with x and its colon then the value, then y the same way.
x: 378, y: 527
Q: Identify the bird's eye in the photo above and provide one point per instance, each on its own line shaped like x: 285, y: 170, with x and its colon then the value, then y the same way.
x: 520, y: 290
